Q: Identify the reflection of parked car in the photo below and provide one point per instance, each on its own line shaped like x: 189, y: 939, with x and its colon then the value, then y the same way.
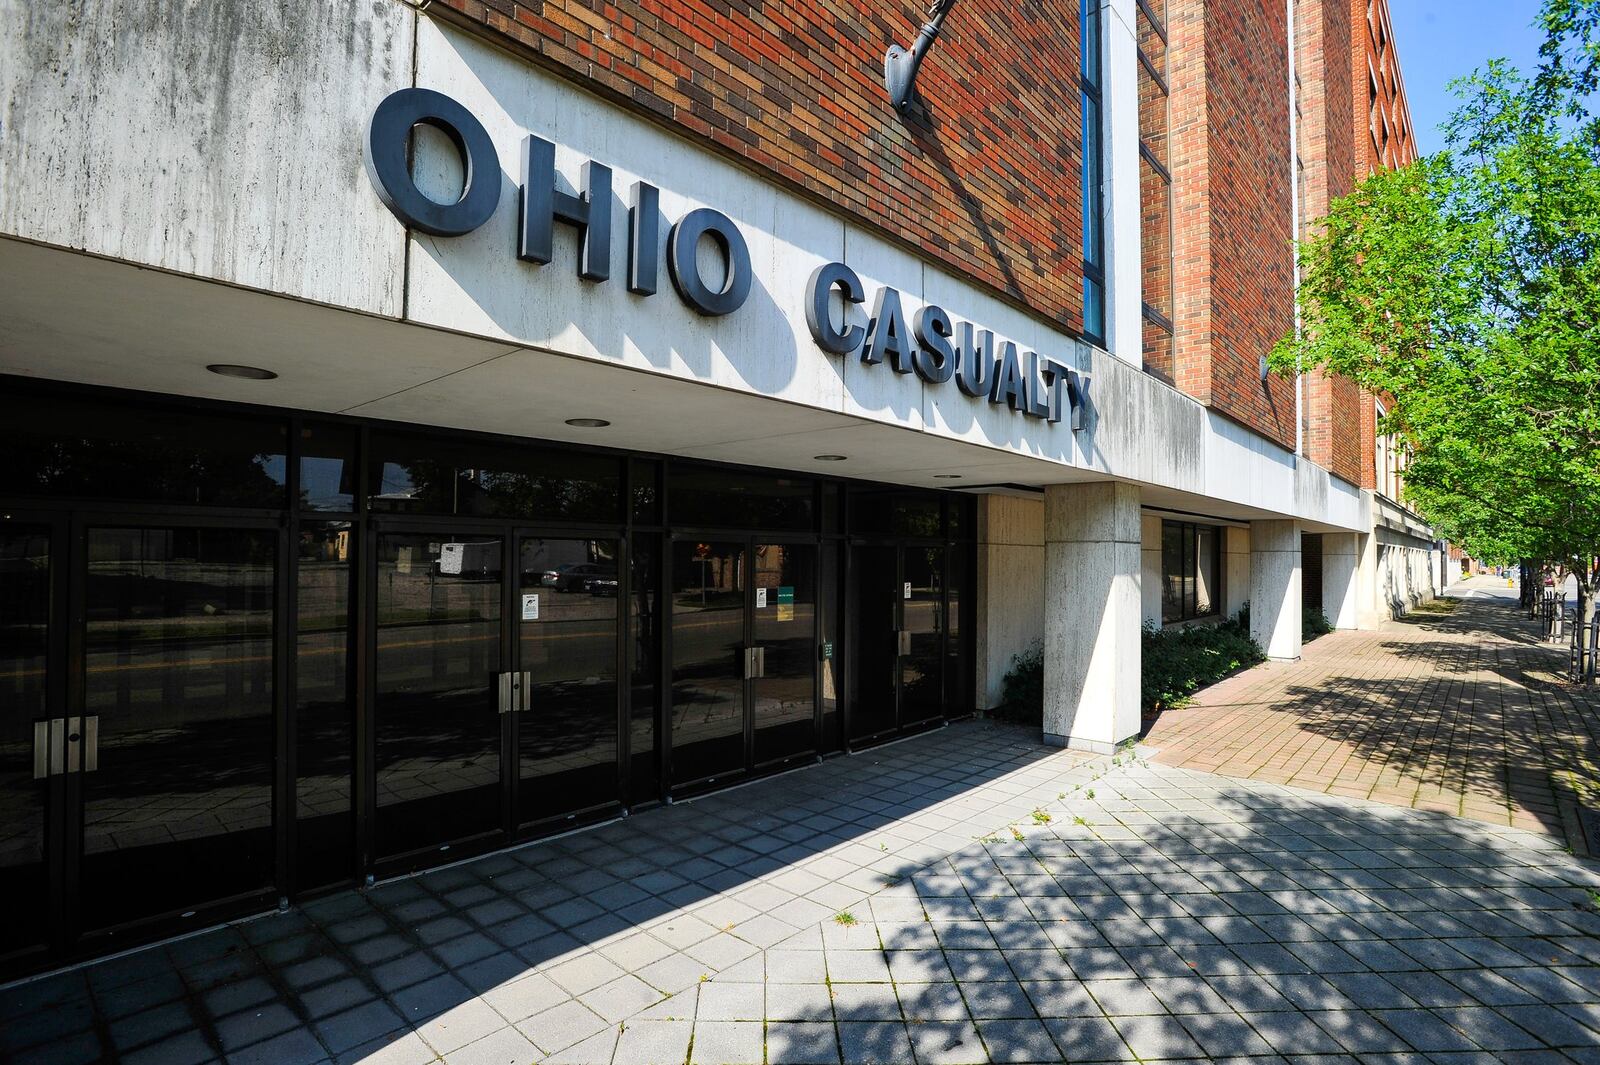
x: 602, y: 585
x: 576, y: 578
x: 549, y: 577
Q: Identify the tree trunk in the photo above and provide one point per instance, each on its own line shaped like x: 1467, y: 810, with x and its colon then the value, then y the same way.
x: 1584, y: 637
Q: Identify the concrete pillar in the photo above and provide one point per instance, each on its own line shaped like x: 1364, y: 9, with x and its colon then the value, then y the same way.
x: 1092, y: 545
x: 1010, y: 593
x: 1370, y: 605
x: 1341, y: 558
x: 1150, y: 569
x: 1235, y: 570
x: 1275, y: 603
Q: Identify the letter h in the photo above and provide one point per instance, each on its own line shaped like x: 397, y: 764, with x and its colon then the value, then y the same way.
x: 543, y: 205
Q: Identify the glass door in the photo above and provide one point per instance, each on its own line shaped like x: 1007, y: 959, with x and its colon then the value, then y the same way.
x: 174, y: 747
x: 438, y: 696
x: 567, y: 726
x: 899, y: 637
x: 875, y: 592
x: 783, y: 704
x: 29, y: 792
x: 922, y: 630
x: 709, y: 607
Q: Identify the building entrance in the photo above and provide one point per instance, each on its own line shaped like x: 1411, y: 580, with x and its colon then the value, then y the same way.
x: 899, y: 616
x: 496, y: 703
x: 744, y: 658
x: 137, y: 694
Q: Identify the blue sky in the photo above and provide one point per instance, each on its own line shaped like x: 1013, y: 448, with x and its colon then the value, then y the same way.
x: 1439, y: 40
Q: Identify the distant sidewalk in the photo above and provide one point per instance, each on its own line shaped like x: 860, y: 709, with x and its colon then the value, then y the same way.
x: 1464, y: 712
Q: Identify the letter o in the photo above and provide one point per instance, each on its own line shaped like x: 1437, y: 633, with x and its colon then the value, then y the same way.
x: 388, y: 134
x: 684, y: 266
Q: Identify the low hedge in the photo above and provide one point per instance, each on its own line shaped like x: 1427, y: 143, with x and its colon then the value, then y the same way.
x: 1176, y: 662
x: 1179, y: 662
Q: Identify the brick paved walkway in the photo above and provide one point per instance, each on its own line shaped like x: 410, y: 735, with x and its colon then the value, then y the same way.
x: 1462, y: 712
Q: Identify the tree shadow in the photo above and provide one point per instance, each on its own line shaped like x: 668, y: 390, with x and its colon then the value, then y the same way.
x: 1184, y: 916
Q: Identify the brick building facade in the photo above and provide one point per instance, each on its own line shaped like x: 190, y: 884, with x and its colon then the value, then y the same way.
x: 987, y: 183
x: 497, y: 415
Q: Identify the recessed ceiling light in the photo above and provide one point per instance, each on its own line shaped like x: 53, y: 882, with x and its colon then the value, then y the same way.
x: 829, y: 458
x: 248, y: 373
x: 588, y: 423
x: 947, y: 477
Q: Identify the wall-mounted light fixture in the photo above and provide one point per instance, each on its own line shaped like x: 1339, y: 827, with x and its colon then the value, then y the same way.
x: 900, y: 65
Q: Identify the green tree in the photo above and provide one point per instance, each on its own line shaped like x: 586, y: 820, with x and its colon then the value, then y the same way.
x: 1465, y: 287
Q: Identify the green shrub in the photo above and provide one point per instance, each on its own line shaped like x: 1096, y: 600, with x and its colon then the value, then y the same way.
x: 1179, y: 662
x: 1313, y: 623
x: 1176, y: 663
x: 1022, y: 690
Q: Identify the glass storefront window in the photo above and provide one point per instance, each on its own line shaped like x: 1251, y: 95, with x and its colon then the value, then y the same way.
x: 729, y: 499
x: 94, y: 449
x: 892, y: 512
x: 327, y: 467
x: 644, y: 477
x: 417, y: 474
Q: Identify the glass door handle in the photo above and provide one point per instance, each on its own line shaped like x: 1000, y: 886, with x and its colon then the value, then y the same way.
x: 91, y: 743
x: 49, y: 747
x: 760, y: 656
x: 903, y: 641
x: 516, y: 692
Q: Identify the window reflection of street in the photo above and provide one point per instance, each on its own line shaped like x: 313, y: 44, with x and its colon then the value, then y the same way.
x: 568, y: 735
x: 438, y: 735
x: 24, y: 630
x: 178, y: 666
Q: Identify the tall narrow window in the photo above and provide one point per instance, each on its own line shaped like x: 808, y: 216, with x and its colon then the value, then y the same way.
x: 1155, y: 190
x: 1094, y: 265
x: 1191, y: 571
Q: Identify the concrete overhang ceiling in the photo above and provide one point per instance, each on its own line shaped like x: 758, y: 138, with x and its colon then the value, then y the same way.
x: 74, y: 317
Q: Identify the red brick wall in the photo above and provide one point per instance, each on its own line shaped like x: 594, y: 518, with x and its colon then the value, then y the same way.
x: 794, y: 89
x: 1234, y: 215
x: 1323, y: 33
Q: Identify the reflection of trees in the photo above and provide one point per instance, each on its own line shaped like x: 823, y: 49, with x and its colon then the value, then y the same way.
x: 438, y: 486
x: 227, y: 470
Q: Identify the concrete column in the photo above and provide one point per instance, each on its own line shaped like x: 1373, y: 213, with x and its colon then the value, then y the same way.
x: 1235, y: 570
x: 1341, y: 558
x: 1150, y: 569
x: 1370, y: 605
x: 1275, y: 602
x: 1092, y: 547
x: 1010, y: 593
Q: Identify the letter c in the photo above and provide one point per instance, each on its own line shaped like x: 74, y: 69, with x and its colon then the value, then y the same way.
x: 824, y: 279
